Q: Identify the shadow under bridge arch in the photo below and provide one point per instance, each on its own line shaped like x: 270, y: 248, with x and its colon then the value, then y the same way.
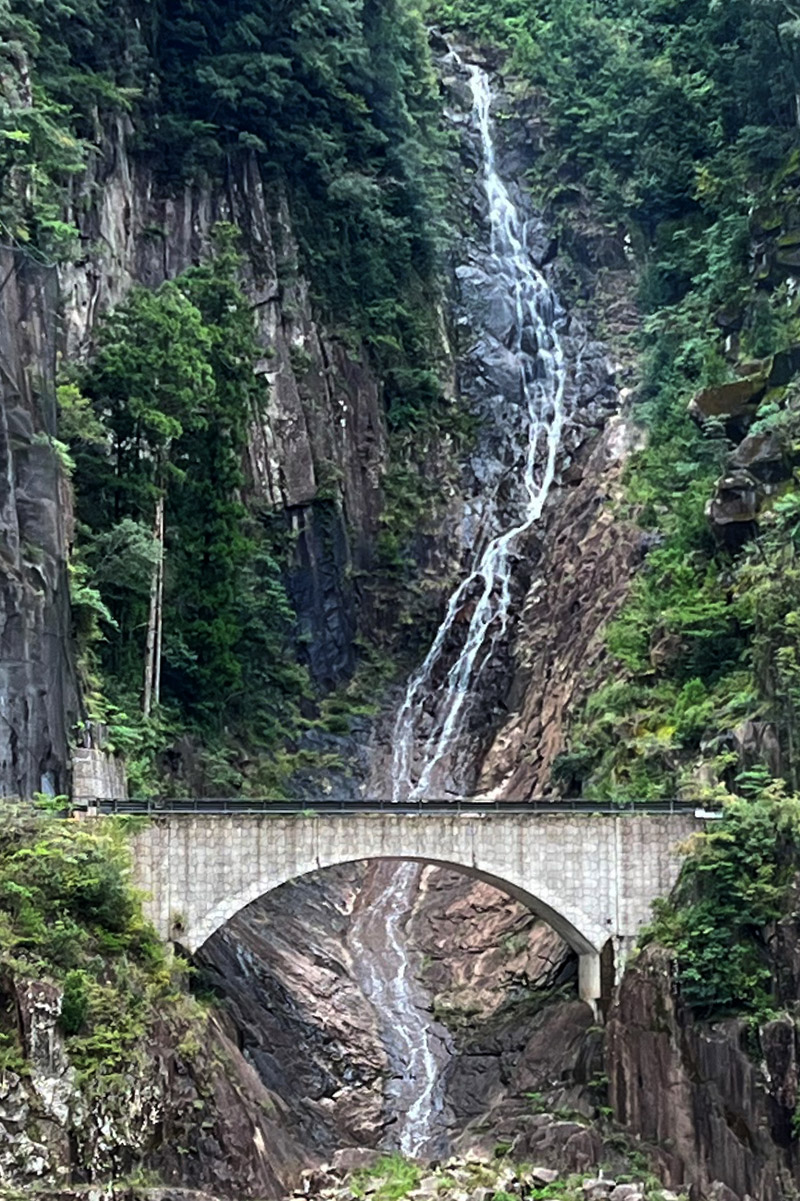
x: 582, y: 934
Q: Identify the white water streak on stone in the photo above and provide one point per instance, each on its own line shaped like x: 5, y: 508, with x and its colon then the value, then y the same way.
x: 388, y: 980
x: 541, y: 385
x: 537, y: 354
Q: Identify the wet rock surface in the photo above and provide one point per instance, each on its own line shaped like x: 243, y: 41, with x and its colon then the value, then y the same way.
x: 285, y: 972
x: 588, y: 558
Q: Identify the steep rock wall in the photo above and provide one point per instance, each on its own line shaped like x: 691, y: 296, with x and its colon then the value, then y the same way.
x: 317, y: 454
x: 319, y: 451
x: 285, y: 972
x: 189, y: 1109
x: 284, y: 969
x: 38, y: 697
x: 588, y: 557
x: 711, y: 1102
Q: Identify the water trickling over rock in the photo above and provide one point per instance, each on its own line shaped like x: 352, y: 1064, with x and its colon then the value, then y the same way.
x: 388, y: 974
x: 523, y: 360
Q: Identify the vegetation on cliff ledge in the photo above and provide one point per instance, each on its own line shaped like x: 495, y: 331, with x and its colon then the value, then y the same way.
x: 172, y: 570
x: 69, y: 916
x: 738, y: 882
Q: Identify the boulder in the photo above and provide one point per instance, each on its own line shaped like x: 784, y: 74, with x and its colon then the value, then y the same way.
x: 784, y: 366
x: 763, y: 457
x: 354, y: 1159
x: 757, y: 742
x: 733, y: 509
x: 481, y: 1194
x: 541, y: 1176
x: 598, y: 1189
x: 737, y: 398
x: 719, y: 1191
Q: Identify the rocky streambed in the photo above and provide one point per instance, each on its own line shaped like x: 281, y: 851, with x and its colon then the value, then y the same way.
x: 370, y: 1176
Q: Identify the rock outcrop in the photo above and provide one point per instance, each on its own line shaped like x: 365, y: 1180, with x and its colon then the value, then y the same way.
x: 319, y: 452
x: 317, y: 456
x: 712, y: 1103
x: 284, y: 969
x: 285, y: 972
x: 37, y: 679
x: 588, y: 557
x: 189, y: 1111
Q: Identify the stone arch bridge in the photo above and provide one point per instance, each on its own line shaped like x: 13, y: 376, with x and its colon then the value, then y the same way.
x: 592, y: 874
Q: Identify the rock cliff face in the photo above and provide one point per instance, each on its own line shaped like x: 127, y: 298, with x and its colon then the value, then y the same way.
x: 37, y: 686
x: 712, y: 1102
x: 587, y: 560
x: 285, y: 971
x: 317, y: 455
x: 320, y: 450
x: 190, y: 1110
x: 284, y: 967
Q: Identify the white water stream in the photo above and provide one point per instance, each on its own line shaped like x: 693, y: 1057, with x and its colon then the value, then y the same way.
x: 388, y: 975
x: 535, y: 348
x: 430, y: 728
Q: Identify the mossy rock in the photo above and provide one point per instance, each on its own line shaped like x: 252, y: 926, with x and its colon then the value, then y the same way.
x: 737, y: 398
x: 790, y: 238
x: 789, y: 257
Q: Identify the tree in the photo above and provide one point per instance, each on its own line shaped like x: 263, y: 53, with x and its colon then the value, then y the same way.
x: 151, y: 383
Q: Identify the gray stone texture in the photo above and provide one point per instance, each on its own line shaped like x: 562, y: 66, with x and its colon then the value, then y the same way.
x: 37, y: 680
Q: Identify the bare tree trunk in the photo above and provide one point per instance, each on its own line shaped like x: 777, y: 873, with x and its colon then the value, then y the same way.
x: 159, y: 612
x: 152, y: 655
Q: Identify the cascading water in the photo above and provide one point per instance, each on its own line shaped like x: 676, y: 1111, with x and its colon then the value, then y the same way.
x: 387, y: 974
x: 523, y: 421
x: 535, y: 356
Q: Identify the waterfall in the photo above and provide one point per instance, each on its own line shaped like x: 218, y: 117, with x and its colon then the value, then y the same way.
x: 388, y: 975
x: 523, y: 417
x: 537, y: 361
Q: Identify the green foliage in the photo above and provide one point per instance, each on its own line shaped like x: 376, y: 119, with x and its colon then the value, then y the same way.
x: 768, y: 588
x: 335, y: 101
x: 395, y: 1176
x: 171, y: 395
x: 68, y: 913
x: 735, y: 882
x: 340, y: 100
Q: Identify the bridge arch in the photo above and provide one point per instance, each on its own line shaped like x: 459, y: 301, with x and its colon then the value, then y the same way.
x: 591, y: 877
x: 576, y: 928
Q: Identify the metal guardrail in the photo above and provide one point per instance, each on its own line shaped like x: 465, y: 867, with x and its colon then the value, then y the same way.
x: 219, y: 806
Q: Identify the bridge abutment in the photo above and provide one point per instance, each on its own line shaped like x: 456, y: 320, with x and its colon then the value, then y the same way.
x: 590, y: 987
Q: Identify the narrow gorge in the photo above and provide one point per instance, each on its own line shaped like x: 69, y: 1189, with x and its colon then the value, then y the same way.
x: 399, y: 443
